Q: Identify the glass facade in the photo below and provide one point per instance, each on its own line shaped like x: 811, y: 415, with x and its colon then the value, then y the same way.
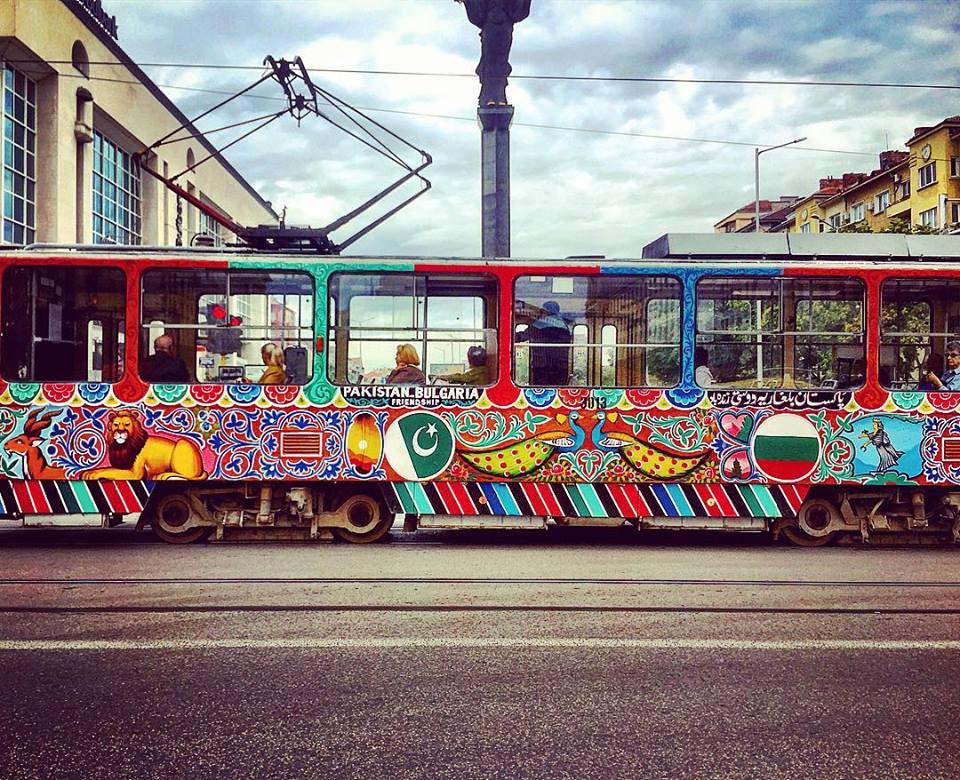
x: 116, y: 194
x: 19, y: 157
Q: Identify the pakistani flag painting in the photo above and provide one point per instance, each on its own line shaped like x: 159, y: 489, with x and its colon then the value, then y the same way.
x: 419, y: 446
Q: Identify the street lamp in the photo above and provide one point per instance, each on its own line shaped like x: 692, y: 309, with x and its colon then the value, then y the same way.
x: 756, y: 177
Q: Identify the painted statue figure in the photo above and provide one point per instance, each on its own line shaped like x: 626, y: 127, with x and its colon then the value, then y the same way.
x: 495, y: 18
x: 879, y: 438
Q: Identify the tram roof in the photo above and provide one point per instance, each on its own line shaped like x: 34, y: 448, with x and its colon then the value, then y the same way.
x: 828, y: 246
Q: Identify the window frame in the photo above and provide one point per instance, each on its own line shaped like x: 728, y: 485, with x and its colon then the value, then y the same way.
x: 923, y: 340
x: 599, y: 346
x: 143, y: 346
x: 333, y: 303
x: 930, y: 218
x: 928, y: 171
x: 882, y: 202
x: 781, y: 333
x: 127, y: 200
x: 122, y: 345
x: 857, y: 213
x: 20, y: 145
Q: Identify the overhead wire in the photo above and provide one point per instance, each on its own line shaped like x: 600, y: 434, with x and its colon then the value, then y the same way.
x: 597, y: 131
x: 548, y: 77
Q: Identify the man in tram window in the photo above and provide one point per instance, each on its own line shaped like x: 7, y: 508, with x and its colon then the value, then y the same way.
x: 703, y: 376
x: 163, y: 366
x: 477, y: 374
x: 550, y: 338
x: 950, y: 379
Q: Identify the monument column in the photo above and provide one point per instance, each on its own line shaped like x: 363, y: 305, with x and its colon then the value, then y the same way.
x: 495, y: 178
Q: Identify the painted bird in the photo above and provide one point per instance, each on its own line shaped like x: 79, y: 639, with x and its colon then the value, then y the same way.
x: 652, y: 460
x: 525, y: 457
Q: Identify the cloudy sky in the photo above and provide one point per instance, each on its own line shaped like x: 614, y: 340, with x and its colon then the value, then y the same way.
x: 589, y: 174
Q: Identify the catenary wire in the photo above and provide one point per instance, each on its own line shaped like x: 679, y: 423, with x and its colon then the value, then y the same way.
x: 515, y: 124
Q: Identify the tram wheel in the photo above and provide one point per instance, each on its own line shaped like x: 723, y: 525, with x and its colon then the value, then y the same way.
x: 801, y: 538
x: 171, y: 521
x: 367, y: 520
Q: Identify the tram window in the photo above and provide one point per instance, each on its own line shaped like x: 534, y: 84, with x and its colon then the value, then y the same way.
x: 213, y: 326
x: 63, y: 324
x: 919, y: 323
x: 621, y: 330
x: 447, y: 321
x: 771, y: 333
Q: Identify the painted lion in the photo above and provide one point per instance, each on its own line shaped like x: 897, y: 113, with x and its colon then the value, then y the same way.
x: 134, y: 454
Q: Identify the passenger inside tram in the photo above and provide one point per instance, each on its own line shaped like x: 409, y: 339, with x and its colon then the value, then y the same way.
x: 477, y: 374
x: 275, y: 372
x: 408, y: 370
x: 163, y: 365
x: 932, y: 369
x: 550, y: 338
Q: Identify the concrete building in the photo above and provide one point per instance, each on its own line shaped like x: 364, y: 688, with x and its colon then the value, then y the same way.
x: 918, y: 187
x: 75, y: 110
x: 741, y: 220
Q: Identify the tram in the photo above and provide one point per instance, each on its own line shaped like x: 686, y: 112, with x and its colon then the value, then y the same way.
x: 794, y: 384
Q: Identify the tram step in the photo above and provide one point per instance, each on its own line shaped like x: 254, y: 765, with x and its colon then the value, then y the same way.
x: 481, y: 521
x: 238, y: 534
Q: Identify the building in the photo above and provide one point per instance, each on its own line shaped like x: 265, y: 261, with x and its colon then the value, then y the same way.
x: 75, y: 110
x: 743, y: 218
x: 919, y: 187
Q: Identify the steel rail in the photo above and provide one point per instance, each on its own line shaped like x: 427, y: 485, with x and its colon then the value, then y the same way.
x: 620, y: 581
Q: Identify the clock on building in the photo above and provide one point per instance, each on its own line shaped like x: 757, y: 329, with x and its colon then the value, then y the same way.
x: 926, y: 151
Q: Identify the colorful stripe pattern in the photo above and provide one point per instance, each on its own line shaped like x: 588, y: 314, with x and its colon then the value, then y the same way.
x: 69, y: 498
x: 598, y: 500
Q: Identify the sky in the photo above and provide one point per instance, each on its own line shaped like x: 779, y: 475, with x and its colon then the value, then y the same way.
x: 586, y: 175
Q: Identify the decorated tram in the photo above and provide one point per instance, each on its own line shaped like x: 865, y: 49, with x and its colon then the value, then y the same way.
x: 796, y: 384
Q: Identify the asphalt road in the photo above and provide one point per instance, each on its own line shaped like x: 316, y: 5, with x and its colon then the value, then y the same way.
x: 480, y: 655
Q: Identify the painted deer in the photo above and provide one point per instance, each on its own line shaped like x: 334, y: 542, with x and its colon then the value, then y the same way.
x: 28, y: 443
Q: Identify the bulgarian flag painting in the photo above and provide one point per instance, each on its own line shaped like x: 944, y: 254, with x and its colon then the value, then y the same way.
x: 786, y: 447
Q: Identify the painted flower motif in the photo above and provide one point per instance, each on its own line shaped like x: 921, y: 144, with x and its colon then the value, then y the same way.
x: 685, y: 397
x: 169, y: 393
x: 207, y: 422
x: 539, y: 397
x: 573, y: 397
x: 206, y: 394
x: 281, y: 395
x: 8, y: 421
x: 243, y: 394
x: 457, y: 471
x: 59, y: 393
x: 93, y: 393
x: 23, y: 393
x: 618, y: 469
x: 907, y: 401
x: 643, y: 399
x: 320, y: 392
x: 943, y: 402
x: 610, y: 397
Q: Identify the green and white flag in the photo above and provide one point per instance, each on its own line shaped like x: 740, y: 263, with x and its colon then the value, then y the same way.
x: 419, y: 445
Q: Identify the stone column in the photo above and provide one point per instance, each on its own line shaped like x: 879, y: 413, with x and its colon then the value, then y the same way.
x: 495, y: 178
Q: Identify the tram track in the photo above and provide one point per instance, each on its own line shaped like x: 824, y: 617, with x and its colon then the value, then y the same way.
x: 617, y: 581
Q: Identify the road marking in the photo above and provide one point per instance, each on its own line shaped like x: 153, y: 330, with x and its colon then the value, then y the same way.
x: 323, y: 643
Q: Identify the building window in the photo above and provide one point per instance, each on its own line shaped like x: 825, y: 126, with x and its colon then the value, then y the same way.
x: 927, y: 175
x: 210, y: 227
x: 806, y: 228
x: 116, y: 194
x: 955, y: 213
x: 63, y: 324
x: 903, y: 190
x: 226, y: 326
x: 929, y: 219
x: 882, y: 201
x: 856, y: 212
x: 19, y: 157
x: 954, y: 167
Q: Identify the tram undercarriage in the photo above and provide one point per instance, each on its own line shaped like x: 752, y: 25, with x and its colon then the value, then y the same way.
x: 362, y: 514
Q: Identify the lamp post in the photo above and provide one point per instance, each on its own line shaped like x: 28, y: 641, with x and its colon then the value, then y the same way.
x: 756, y: 177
